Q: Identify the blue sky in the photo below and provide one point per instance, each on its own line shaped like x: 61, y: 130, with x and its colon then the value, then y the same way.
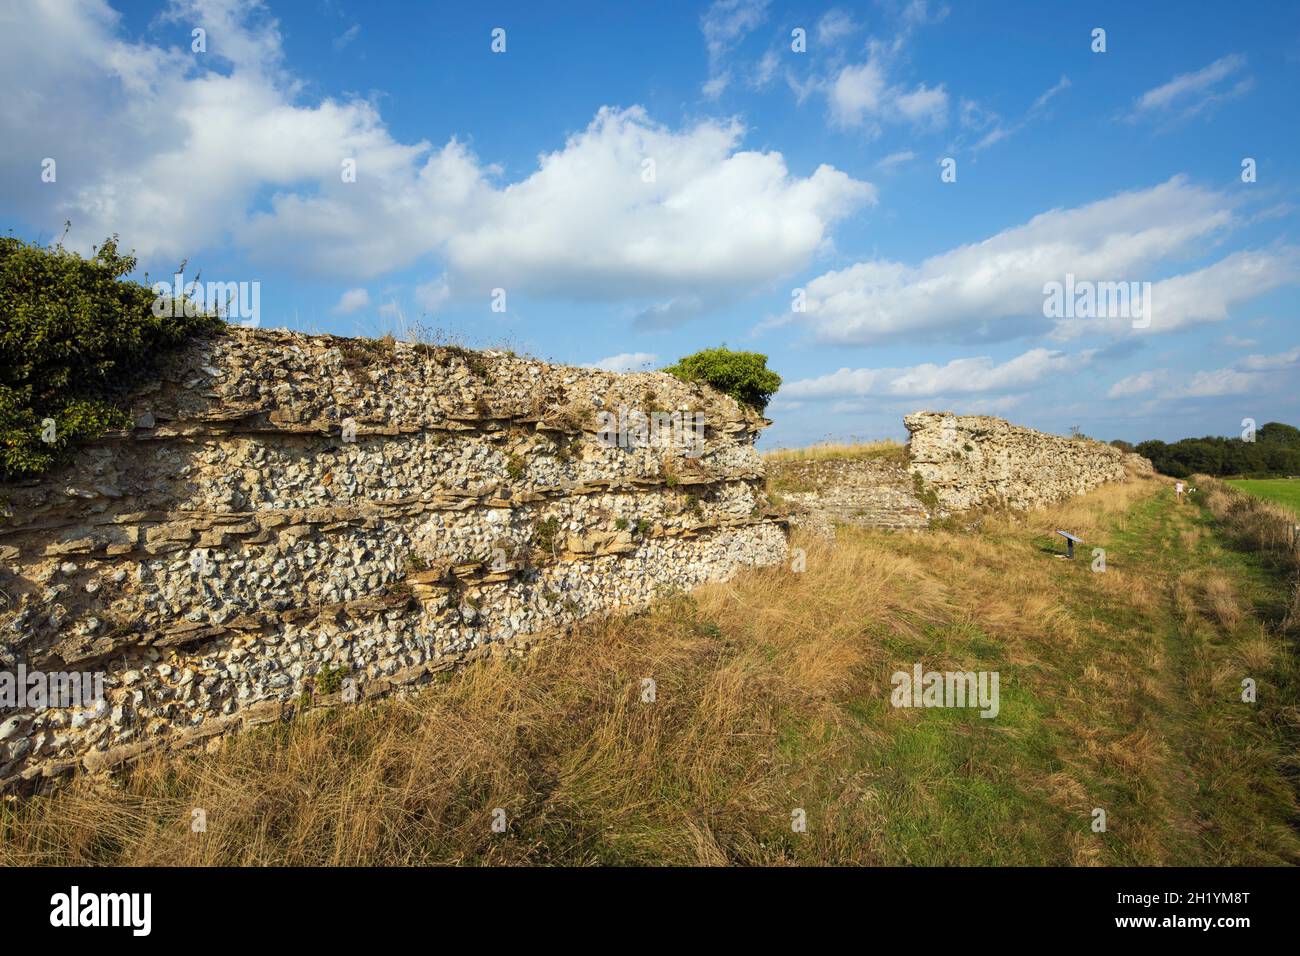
x: 647, y: 179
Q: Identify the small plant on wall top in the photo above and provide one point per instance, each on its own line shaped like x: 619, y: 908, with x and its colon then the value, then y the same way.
x: 742, y: 375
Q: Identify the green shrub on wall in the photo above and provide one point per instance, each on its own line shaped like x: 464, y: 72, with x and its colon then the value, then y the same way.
x: 74, y: 335
x: 742, y: 375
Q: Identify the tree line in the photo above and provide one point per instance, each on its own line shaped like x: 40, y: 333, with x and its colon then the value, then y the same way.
x: 1274, y: 453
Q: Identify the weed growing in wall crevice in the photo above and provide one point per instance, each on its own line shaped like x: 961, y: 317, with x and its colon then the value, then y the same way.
x: 544, y: 534
x: 476, y: 363
x: 329, y: 680
x: 925, y: 494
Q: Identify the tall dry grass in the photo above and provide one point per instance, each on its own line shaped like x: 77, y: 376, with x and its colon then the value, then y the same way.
x: 1260, y: 526
x: 562, y: 742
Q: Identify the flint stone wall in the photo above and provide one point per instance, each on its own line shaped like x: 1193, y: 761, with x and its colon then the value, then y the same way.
x: 973, y: 461
x: 295, y: 514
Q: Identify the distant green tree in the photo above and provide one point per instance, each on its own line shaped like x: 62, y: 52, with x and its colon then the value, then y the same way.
x: 1275, y: 452
x: 1277, y: 433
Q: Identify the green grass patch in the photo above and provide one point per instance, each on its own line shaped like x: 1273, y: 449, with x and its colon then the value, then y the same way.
x: 1284, y: 491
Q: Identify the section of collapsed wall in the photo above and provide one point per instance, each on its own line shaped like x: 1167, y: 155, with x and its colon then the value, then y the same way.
x: 868, y: 487
x: 298, y: 518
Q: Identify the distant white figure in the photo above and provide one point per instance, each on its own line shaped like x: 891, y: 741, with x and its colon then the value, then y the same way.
x: 1178, y: 491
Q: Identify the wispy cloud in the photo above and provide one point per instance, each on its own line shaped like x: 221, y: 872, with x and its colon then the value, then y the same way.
x: 1190, y: 93
x: 1252, y: 374
x: 871, y: 94
x: 724, y: 25
x: 347, y: 36
x: 1137, y: 383
x: 990, y: 124
x: 959, y: 376
x: 896, y: 159
x: 862, y: 95
x: 834, y: 25
x: 1040, y: 104
x: 625, y: 362
x: 353, y: 300
x: 1268, y: 363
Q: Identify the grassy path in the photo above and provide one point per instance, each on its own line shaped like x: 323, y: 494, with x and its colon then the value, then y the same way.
x: 1127, y: 700
x: 1219, y: 785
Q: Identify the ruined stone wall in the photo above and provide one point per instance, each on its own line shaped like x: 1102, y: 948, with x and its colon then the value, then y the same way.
x: 294, y: 518
x: 971, y: 461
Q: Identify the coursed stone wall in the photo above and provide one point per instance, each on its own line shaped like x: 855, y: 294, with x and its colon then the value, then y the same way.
x: 973, y: 461
x: 296, y: 519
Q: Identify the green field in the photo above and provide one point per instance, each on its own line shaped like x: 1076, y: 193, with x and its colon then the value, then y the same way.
x: 1285, y: 491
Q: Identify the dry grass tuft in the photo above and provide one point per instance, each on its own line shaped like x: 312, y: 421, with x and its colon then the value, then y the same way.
x: 1219, y: 594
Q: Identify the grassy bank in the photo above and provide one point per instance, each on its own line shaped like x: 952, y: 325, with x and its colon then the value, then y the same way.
x: 838, y: 451
x: 1119, y: 690
x: 817, y: 467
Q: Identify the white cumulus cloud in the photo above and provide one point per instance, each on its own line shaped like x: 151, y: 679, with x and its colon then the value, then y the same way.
x: 994, y: 288
x: 188, y: 156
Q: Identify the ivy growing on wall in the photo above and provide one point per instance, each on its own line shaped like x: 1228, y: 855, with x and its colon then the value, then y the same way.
x: 75, y: 335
